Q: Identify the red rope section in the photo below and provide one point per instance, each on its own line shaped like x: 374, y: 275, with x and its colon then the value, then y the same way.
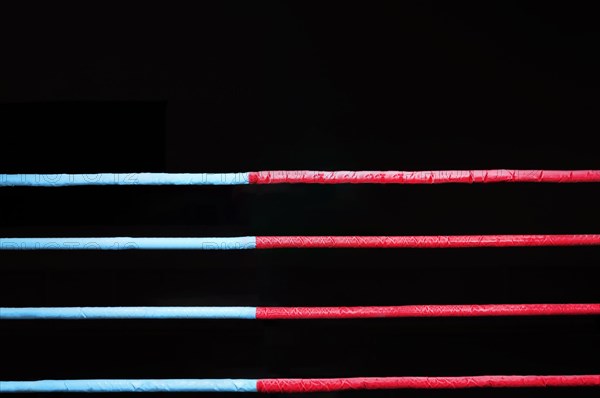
x: 419, y: 311
x: 278, y: 242
x: 422, y: 177
x: 377, y: 383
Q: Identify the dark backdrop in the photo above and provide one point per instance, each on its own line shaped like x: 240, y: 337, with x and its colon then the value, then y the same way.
x: 258, y: 86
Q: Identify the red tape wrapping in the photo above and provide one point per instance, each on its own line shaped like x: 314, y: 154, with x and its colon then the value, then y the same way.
x: 410, y: 311
x: 275, y: 242
x: 376, y: 383
x: 422, y: 177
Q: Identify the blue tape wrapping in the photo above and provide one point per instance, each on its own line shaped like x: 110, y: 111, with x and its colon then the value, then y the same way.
x: 129, y: 313
x: 62, y: 180
x: 126, y: 243
x: 166, y: 385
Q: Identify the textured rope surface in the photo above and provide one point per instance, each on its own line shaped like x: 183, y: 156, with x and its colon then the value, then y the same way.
x: 294, y: 385
x: 410, y: 311
x: 128, y: 243
x: 275, y: 242
x: 129, y: 385
x: 303, y: 177
x: 65, y: 180
x: 279, y: 242
x: 377, y: 383
x: 82, y: 313
x: 422, y: 177
x: 468, y: 310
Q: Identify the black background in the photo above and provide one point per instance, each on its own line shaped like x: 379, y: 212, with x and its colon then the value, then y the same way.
x: 274, y: 85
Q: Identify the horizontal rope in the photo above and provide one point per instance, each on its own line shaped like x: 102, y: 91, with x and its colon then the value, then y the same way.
x: 139, y: 385
x: 295, y: 385
x: 455, y: 241
x: 379, y: 383
x: 426, y: 311
x: 422, y: 177
x: 303, y: 177
x: 282, y: 242
x: 64, y: 180
x: 129, y: 313
x: 408, y: 311
x: 128, y: 243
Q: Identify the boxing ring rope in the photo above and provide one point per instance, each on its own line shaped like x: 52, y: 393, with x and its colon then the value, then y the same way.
x: 290, y: 313
x: 297, y: 242
x: 297, y: 385
x: 269, y: 313
x: 304, y: 177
